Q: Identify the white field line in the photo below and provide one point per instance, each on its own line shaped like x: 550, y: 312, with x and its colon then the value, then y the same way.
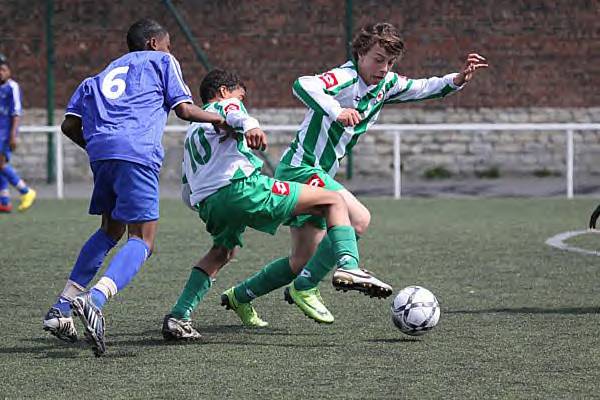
x: 558, y: 242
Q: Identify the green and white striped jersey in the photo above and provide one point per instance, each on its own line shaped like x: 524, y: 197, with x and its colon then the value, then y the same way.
x: 321, y: 140
x: 212, y: 160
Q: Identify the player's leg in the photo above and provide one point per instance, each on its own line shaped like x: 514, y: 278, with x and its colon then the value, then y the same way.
x: 346, y: 277
x: 28, y: 195
x: 119, y: 273
x: 177, y: 325
x: 136, y: 204
x: 58, y: 320
x: 5, y: 204
x: 342, y: 238
x: 358, y: 279
x: 306, y: 234
x: 338, y: 244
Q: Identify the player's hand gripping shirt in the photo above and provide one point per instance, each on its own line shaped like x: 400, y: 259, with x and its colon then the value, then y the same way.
x: 211, y: 159
x: 321, y: 140
x: 124, y: 108
x: 10, y: 106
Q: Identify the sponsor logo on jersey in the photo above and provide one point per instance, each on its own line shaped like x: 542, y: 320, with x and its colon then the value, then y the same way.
x: 281, y: 188
x: 329, y: 79
x: 379, y: 96
x: 231, y: 107
x: 315, y: 180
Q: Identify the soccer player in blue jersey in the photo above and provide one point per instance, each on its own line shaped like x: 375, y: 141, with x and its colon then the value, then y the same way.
x: 10, y: 113
x: 118, y: 117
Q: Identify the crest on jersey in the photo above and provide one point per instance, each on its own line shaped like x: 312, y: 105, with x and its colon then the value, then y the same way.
x: 281, y: 188
x: 329, y: 79
x: 315, y: 180
x: 379, y: 96
x: 231, y: 107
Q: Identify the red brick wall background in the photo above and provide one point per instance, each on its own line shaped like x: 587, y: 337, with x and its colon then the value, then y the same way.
x: 542, y: 52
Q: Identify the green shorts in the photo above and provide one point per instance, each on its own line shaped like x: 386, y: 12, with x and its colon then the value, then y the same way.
x: 260, y: 202
x: 314, y: 176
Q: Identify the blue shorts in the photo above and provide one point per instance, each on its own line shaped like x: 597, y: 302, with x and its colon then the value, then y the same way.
x: 127, y: 190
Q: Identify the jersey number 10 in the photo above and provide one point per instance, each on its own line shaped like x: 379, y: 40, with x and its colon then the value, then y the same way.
x: 195, y: 156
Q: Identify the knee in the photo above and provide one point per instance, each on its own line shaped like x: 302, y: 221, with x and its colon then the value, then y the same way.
x: 337, y: 200
x: 361, y: 222
x: 114, y: 232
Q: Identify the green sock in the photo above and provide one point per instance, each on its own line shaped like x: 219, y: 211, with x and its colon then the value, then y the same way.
x: 273, y: 276
x: 345, y: 248
x: 196, y: 287
x: 317, y: 267
x: 338, y: 248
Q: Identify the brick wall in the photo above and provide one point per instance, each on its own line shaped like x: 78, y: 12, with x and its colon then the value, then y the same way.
x: 544, y: 53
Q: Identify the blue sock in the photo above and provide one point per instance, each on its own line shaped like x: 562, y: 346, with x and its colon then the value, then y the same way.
x: 64, y: 305
x: 4, y: 198
x: 11, y: 175
x: 98, y: 298
x: 124, y: 266
x: 90, y: 257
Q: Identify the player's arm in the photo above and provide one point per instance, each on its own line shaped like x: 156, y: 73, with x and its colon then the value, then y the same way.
x: 14, y: 126
x: 405, y: 90
x: 72, y: 129
x: 318, y: 92
x: 15, y: 112
x: 193, y: 113
x: 238, y: 118
x: 179, y: 98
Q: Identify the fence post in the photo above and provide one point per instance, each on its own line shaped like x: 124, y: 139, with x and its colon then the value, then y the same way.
x: 570, y: 163
x: 59, y: 164
x: 397, y: 166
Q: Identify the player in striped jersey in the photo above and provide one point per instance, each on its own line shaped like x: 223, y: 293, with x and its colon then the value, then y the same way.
x: 342, y: 104
x: 223, y: 184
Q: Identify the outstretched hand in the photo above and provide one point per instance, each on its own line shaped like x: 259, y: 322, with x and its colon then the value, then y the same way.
x: 473, y: 63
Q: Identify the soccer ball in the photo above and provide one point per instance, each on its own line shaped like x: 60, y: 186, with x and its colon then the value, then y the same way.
x: 415, y: 310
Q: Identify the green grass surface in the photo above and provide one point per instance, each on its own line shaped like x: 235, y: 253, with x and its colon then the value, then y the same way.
x: 519, y: 319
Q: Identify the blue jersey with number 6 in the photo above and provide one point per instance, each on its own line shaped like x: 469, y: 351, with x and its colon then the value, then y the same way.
x: 124, y: 108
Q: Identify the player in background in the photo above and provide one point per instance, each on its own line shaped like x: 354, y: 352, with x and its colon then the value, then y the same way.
x: 342, y: 104
x: 118, y: 116
x: 10, y: 114
x: 223, y: 184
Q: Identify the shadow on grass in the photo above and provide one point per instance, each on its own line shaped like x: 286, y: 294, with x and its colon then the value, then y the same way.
x: 531, y: 310
x: 219, y: 329
x: 405, y: 339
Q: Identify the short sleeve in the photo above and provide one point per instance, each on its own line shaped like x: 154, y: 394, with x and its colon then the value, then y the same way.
x: 16, y: 108
x: 75, y: 106
x: 176, y: 91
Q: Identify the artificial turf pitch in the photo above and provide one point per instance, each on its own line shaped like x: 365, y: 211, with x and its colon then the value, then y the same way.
x: 519, y: 319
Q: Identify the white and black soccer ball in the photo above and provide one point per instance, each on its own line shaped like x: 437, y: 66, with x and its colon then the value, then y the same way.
x: 415, y: 310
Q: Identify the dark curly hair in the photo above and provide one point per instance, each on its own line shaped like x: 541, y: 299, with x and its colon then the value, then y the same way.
x: 209, y: 87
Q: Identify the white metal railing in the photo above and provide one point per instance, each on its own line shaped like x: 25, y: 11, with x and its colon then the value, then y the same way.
x: 392, y: 129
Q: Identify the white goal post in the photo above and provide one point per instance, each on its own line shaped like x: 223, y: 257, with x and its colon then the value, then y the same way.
x: 391, y: 129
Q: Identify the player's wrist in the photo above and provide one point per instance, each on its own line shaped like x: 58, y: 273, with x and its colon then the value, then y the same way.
x: 458, y: 80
